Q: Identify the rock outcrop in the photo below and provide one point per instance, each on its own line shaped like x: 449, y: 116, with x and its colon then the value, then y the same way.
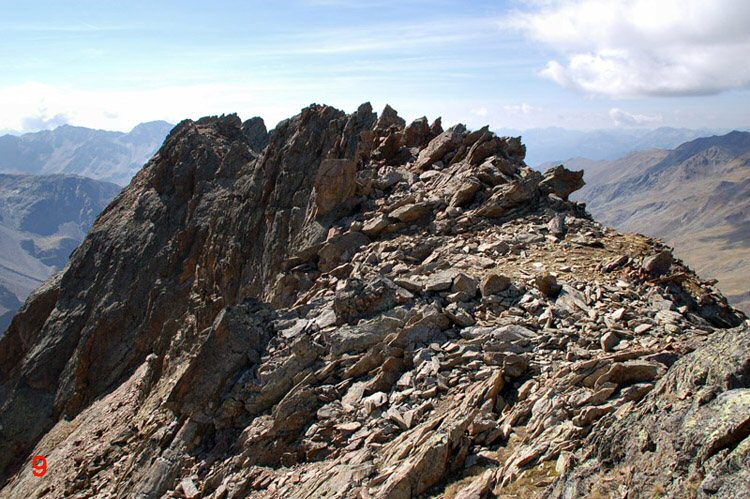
x: 361, y: 308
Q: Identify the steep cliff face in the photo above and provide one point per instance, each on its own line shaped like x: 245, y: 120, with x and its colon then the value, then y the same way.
x: 346, y: 306
x: 42, y: 220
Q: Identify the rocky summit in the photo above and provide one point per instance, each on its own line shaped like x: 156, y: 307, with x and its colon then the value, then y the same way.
x: 350, y: 306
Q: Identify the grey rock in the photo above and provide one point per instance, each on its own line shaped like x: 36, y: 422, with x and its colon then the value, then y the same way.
x: 388, y: 118
x: 256, y: 133
x: 440, y: 146
x: 463, y: 283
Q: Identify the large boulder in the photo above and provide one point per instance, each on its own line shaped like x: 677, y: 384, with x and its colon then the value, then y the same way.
x: 440, y: 146
x: 417, y: 134
x: 561, y: 181
x: 510, y: 196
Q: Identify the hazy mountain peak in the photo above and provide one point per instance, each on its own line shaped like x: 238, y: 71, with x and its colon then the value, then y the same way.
x: 696, y: 197
x: 99, y: 154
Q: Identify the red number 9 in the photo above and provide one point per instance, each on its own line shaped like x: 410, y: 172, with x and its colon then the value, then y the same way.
x: 40, y: 465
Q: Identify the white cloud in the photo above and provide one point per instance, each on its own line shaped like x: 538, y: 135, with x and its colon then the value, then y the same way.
x: 33, y: 106
x: 626, y: 119
x: 630, y: 48
x: 521, y: 109
x: 482, y: 111
x: 43, y: 121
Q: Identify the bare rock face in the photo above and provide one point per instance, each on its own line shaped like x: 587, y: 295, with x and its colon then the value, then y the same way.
x: 689, y: 435
x: 352, y: 310
x: 334, y: 184
x: 256, y: 133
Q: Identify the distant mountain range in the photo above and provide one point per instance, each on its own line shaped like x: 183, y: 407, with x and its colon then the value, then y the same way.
x: 556, y: 144
x: 693, y: 195
x: 99, y: 154
x: 117, y: 156
x: 43, y: 218
x: 696, y: 197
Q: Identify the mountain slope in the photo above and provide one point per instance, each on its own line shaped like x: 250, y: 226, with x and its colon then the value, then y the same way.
x: 359, y: 308
x: 696, y: 197
x: 555, y: 144
x: 42, y: 220
x: 98, y: 154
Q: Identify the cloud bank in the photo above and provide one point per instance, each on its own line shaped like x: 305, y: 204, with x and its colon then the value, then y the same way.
x: 638, y: 48
x: 626, y: 119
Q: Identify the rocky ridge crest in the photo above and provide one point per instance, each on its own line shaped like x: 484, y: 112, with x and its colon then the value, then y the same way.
x: 350, y: 306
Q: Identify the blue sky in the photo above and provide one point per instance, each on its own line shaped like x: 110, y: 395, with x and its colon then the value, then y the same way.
x: 513, y: 64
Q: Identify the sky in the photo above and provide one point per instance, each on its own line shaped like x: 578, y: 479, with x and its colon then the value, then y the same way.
x: 514, y: 64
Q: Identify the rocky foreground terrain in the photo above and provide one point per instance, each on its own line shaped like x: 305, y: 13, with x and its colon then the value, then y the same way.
x: 352, y: 307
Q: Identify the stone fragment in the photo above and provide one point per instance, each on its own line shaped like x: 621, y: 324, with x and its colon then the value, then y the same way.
x: 494, y: 283
x: 255, y: 131
x: 375, y: 226
x: 189, y: 490
x: 465, y: 192
x: 349, y: 427
x: 417, y: 134
x: 614, y: 263
x: 439, y: 281
x: 561, y: 181
x: 459, y: 315
x: 658, y: 264
x: 642, y: 328
x: 618, y: 314
x: 340, y: 249
x: 388, y: 118
x: 374, y: 401
x: 609, y: 341
x: 510, y: 196
x: 464, y: 283
x: 547, y: 285
x: 515, y: 365
x: 440, y: 146
x: 410, y: 283
x: 556, y: 226
x: 410, y: 212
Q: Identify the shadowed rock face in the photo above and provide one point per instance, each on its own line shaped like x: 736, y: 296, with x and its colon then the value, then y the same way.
x: 244, y: 311
x: 164, y: 255
x: 42, y: 220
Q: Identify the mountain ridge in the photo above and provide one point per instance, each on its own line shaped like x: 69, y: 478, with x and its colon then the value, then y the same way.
x: 693, y: 196
x: 360, y: 307
x: 99, y: 154
x: 556, y: 144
